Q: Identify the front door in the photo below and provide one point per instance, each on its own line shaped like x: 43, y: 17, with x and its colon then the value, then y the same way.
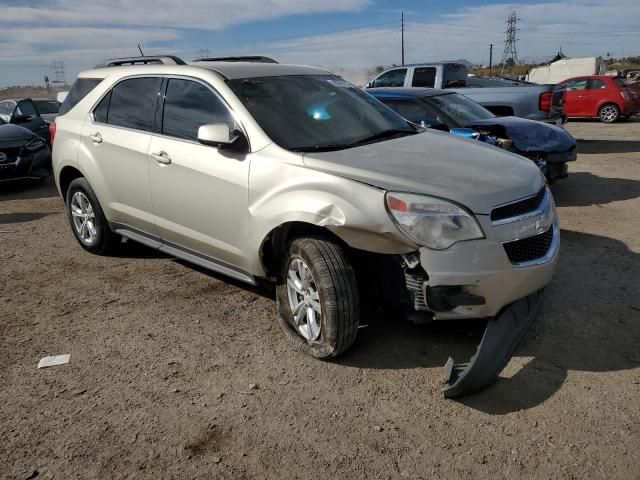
x: 26, y: 115
x: 575, y: 97
x: 199, y: 193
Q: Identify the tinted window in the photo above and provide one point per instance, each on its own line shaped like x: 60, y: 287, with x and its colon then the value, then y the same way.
x: 26, y: 109
x: 578, y: 84
x: 392, y: 78
x: 424, y: 77
x: 189, y: 105
x: 597, y: 84
x: 132, y: 103
x: 101, y: 112
x: 47, y: 106
x: 80, y: 89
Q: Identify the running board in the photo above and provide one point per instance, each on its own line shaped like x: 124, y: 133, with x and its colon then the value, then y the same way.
x: 190, y: 256
x: 501, y: 339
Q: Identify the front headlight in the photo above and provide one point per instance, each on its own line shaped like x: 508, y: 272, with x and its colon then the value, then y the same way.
x: 432, y: 222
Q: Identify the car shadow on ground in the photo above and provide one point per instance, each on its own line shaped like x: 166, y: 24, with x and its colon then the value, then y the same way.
x: 582, y: 189
x: 28, y: 189
x: 590, y: 323
x: 608, y: 146
x: 10, y: 218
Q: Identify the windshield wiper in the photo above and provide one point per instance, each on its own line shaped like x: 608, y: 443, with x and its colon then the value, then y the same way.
x: 323, y: 148
x: 392, y: 132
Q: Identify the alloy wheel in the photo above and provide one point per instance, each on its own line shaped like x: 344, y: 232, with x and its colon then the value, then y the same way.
x: 84, y: 220
x: 608, y: 113
x: 304, y: 299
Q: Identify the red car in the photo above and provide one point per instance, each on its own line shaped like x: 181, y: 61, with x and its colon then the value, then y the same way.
x: 599, y: 96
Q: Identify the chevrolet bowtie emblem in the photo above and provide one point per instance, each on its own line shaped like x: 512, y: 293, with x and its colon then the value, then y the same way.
x: 3, y: 157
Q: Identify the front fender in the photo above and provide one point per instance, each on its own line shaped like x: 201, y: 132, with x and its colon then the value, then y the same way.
x: 282, y: 192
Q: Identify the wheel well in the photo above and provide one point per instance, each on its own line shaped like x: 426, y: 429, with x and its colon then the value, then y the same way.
x: 68, y: 175
x: 275, y: 243
x: 608, y: 103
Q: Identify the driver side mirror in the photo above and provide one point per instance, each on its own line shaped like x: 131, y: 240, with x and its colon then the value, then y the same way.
x: 220, y: 136
x: 369, y: 85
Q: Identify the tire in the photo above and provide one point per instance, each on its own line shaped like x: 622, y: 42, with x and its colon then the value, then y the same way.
x: 99, y: 240
x: 609, y: 113
x: 334, y: 281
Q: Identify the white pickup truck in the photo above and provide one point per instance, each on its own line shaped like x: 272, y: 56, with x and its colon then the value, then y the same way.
x: 500, y: 96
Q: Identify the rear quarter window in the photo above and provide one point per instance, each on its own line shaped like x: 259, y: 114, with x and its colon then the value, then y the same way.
x: 80, y: 89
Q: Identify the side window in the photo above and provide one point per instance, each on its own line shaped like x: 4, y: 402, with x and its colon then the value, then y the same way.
x: 410, y: 109
x: 189, y: 105
x: 578, y: 84
x: 424, y: 77
x: 392, y: 78
x: 597, y: 84
x: 80, y: 89
x: 132, y: 103
x: 26, y: 109
x: 6, y: 108
x: 101, y: 112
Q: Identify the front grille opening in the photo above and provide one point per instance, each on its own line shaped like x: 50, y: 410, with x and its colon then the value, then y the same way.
x: 530, y: 248
x: 518, y: 208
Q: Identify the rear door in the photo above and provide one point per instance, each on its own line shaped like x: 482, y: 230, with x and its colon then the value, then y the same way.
x: 424, y: 77
x: 116, y: 140
x: 575, y: 101
x: 199, y: 193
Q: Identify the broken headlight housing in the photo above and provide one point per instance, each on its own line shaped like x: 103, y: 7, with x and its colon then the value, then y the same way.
x: 36, y: 143
x: 432, y: 222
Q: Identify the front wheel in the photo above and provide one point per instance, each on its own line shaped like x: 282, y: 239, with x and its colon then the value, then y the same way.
x: 317, y: 298
x: 609, y: 113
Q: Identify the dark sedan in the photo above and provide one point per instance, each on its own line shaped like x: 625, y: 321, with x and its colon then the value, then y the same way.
x: 23, y: 154
x: 550, y: 147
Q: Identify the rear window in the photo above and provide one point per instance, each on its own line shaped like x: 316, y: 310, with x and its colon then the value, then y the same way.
x: 80, y: 89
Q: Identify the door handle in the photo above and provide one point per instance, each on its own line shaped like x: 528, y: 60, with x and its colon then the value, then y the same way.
x: 96, y: 137
x: 162, y: 157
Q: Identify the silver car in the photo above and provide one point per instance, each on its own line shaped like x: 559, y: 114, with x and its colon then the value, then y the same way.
x: 290, y: 174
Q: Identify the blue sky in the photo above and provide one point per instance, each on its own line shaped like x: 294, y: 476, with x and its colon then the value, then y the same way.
x: 348, y: 34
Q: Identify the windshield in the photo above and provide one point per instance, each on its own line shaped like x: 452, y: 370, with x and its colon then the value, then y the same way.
x: 317, y: 112
x: 460, y: 108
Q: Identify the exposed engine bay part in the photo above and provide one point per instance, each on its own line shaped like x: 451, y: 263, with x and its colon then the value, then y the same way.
x: 502, y: 337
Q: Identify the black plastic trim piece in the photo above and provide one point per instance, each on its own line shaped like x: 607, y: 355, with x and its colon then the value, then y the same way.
x: 502, y: 337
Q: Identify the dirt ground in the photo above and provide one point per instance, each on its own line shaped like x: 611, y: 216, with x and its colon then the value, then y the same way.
x: 176, y: 373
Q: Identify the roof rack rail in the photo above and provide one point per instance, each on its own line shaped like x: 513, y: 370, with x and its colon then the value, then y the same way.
x: 249, y: 58
x: 146, y: 60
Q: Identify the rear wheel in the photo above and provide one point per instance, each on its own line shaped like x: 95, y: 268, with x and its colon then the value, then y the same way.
x: 317, y: 298
x: 87, y: 219
x: 609, y: 113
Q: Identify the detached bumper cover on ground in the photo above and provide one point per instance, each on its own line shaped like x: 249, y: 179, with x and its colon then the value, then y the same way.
x: 502, y: 337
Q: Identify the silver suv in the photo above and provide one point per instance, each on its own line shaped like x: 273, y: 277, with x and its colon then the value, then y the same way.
x: 292, y: 175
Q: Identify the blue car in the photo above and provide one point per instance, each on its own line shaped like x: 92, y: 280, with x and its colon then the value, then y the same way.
x: 550, y: 147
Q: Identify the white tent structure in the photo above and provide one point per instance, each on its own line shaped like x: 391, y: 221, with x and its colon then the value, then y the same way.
x: 566, y: 68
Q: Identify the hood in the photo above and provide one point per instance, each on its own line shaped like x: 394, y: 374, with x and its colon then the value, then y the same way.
x: 474, y: 174
x: 12, y: 136
x: 527, y: 135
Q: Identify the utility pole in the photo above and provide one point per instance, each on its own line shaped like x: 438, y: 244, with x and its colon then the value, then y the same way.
x: 510, y: 53
x: 203, y: 53
x: 490, y: 57
x: 402, y: 22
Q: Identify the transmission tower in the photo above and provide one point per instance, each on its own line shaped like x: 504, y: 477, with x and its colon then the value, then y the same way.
x: 58, y: 72
x: 510, y: 55
x: 203, y: 53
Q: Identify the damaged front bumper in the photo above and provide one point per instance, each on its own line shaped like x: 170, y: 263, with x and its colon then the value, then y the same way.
x: 500, y: 278
x: 502, y: 337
